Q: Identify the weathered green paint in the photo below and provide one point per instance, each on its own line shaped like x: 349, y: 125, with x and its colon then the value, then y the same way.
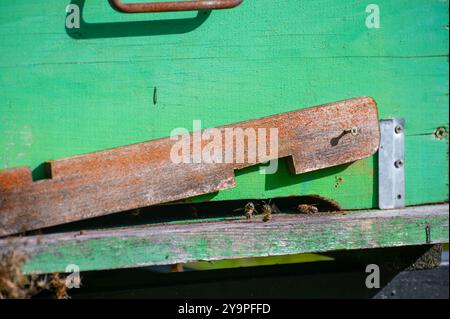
x: 70, y: 92
x: 232, y: 239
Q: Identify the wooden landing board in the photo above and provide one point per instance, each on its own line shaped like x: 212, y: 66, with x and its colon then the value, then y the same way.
x: 165, y: 244
x: 145, y: 174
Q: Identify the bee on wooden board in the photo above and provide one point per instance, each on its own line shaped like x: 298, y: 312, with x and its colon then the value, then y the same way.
x: 249, y: 210
x: 266, y: 212
x: 307, y: 209
x: 267, y: 209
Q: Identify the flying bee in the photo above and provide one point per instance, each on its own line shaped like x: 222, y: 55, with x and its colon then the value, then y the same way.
x: 307, y: 209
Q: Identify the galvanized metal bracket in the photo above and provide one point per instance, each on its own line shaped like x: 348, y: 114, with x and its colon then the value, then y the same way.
x: 391, y: 164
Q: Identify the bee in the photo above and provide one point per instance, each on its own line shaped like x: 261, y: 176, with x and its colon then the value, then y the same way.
x: 266, y: 212
x: 249, y: 210
x: 307, y: 209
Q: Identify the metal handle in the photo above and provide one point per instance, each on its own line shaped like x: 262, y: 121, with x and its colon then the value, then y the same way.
x: 174, y: 6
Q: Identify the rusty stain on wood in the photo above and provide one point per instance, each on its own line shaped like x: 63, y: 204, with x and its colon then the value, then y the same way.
x: 143, y: 174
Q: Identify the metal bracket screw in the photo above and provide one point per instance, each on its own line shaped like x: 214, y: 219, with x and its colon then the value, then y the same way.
x: 398, y: 163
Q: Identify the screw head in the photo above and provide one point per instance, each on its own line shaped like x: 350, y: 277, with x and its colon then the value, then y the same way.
x: 399, y: 163
x: 398, y: 129
x: 354, y: 131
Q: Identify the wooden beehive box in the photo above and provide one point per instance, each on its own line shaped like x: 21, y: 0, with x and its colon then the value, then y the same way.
x: 121, y: 79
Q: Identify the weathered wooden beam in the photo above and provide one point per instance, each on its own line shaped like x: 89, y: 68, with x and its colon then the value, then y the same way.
x: 167, y: 244
x: 146, y: 174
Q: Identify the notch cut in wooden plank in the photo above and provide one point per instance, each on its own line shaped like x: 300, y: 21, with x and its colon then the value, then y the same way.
x: 146, y: 174
x: 167, y: 244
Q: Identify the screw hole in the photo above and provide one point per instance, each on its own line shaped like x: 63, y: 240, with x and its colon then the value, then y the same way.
x: 440, y: 133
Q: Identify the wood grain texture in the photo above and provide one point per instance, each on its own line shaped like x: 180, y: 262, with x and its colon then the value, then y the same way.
x: 167, y: 244
x: 145, y: 174
x: 66, y: 93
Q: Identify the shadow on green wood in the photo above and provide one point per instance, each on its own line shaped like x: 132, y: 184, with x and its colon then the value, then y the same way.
x: 283, y: 178
x: 134, y: 28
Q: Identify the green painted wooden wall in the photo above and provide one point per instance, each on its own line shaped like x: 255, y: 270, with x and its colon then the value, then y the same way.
x: 66, y: 92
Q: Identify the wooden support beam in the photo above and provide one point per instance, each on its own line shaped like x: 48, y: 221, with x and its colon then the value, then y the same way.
x: 167, y: 244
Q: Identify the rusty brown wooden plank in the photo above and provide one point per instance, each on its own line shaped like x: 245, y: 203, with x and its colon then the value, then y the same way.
x: 143, y: 174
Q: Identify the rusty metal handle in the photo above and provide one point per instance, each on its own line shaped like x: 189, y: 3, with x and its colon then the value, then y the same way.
x: 174, y: 6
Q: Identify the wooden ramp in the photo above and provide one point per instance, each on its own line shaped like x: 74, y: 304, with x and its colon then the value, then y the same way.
x: 182, y: 242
